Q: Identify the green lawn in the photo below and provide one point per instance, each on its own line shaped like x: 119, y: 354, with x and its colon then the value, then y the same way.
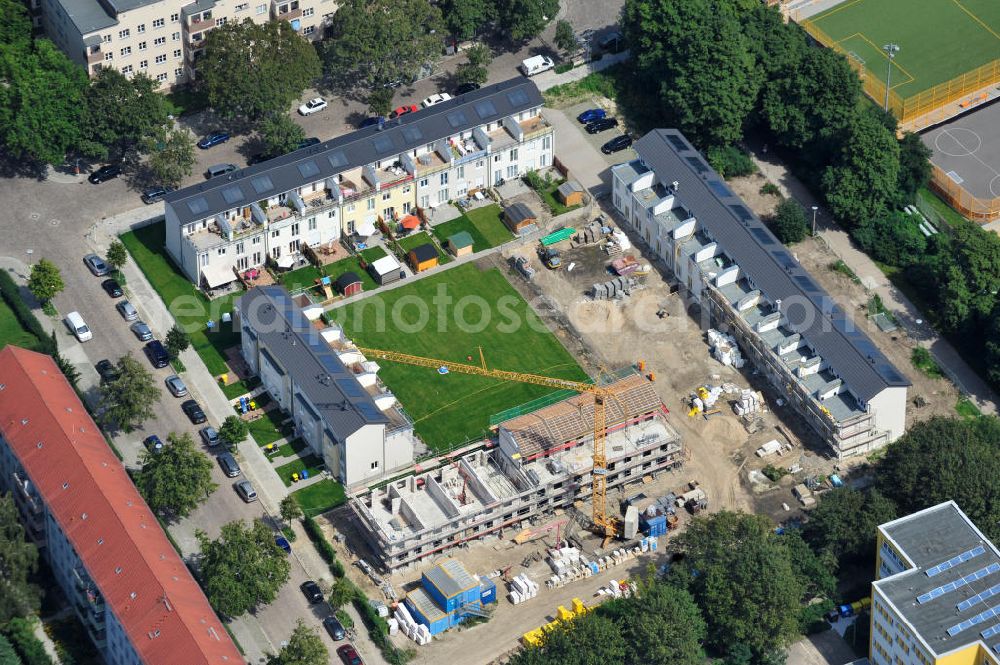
x: 305, y: 277
x: 309, y: 463
x: 422, y: 238
x: 267, y: 429
x: 483, y: 224
x: 452, y: 408
x: 937, y: 210
x: 11, y: 331
x: 295, y: 447
x: 966, y: 409
x: 191, y: 309
x: 548, y: 194
x: 320, y: 497
x: 939, y: 39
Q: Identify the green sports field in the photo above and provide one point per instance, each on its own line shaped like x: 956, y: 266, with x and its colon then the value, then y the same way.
x: 939, y: 39
x: 450, y: 408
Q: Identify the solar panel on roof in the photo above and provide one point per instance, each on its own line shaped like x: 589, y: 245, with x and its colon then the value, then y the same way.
x: 978, y: 598
x: 262, y: 183
x: 485, y: 108
x: 307, y: 169
x: 959, y: 583
x: 350, y: 387
x: 806, y: 283
x: 383, y: 144
x: 331, y: 364
x: 741, y: 211
x: 991, y: 631
x: 677, y: 142
x: 369, y: 410
x: 697, y: 163
x: 412, y: 133
x: 719, y: 188
x: 198, y: 205
x: 985, y: 615
x: 517, y: 97
x: 232, y: 194
x: 337, y: 159
x: 762, y: 236
x: 457, y: 119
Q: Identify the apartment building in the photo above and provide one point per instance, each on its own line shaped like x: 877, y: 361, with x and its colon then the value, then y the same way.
x: 936, y: 598
x: 163, y: 38
x: 131, y: 591
x: 752, y: 286
x: 339, y: 407
x: 344, y: 186
x: 544, y: 462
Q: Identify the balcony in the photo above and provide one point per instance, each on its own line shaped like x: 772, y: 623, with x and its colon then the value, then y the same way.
x: 533, y: 127
x: 286, y: 11
x: 95, y: 56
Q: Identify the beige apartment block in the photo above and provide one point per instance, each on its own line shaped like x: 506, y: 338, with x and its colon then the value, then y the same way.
x: 163, y: 38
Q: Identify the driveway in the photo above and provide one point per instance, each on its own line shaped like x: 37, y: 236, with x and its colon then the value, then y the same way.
x: 580, y: 152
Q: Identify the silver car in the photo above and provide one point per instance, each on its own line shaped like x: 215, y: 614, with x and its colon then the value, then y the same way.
x: 142, y: 331
x: 96, y: 265
x: 246, y: 491
x: 209, y: 435
x: 127, y: 310
x: 176, y: 386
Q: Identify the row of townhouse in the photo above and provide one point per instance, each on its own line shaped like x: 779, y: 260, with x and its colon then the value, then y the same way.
x: 162, y: 38
x: 342, y: 187
x: 753, y: 287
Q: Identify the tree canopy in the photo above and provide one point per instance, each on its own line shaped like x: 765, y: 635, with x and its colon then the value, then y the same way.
x: 243, y: 569
x: 121, y: 114
x: 304, y: 647
x: 45, y: 281
x: 280, y: 134
x: 474, y: 69
x: 234, y: 430
x: 176, y: 479
x: 171, y: 157
x: 18, y: 560
x: 274, y: 63
x: 893, y: 238
x: 592, y: 639
x: 129, y: 399
x: 843, y: 525
x: 521, y: 20
x: 465, y: 18
x: 789, y: 222
x: 117, y: 255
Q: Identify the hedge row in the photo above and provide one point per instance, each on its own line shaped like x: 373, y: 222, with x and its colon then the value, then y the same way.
x: 12, y: 296
x: 378, y: 630
x: 21, y: 634
x: 323, y: 546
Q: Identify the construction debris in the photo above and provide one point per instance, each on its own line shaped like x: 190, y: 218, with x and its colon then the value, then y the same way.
x: 724, y: 348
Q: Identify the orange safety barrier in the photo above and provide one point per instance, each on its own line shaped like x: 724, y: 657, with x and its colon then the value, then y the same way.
x: 976, y: 209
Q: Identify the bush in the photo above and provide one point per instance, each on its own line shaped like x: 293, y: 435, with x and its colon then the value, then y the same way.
x: 770, y: 189
x: 730, y: 161
x: 789, y: 222
x: 811, y: 618
x: 12, y: 296
x: 323, y: 546
x: 563, y: 67
x: 773, y: 473
x: 894, y: 239
x: 7, y: 654
x: 21, y: 634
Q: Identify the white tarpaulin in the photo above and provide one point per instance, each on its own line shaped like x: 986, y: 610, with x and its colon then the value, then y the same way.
x: 217, y: 275
x: 366, y: 229
x: 286, y: 261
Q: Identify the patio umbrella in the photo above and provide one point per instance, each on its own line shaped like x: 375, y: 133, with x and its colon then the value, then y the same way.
x: 410, y: 222
x: 366, y: 229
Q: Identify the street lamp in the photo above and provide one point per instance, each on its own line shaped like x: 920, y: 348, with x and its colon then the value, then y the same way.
x: 891, y: 50
x: 814, y: 208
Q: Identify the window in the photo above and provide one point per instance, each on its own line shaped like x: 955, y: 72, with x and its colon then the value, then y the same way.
x: 126, y: 51
x: 350, y: 208
x: 444, y: 178
x: 108, y: 56
x: 221, y: 251
x: 159, y: 41
x: 242, y: 7
x: 143, y: 64
x: 176, y: 37
x: 496, y: 158
x: 546, y: 142
x: 242, y: 263
x: 423, y: 182
x: 123, y: 34
x: 443, y: 195
x: 479, y: 163
x: 177, y: 53
x: 276, y: 252
x: 295, y: 229
x: 512, y: 171
x: 425, y: 201
x: 311, y: 223
x: 178, y: 72
x: 219, y: 22
x: 161, y: 77
x: 387, y: 213
x: 158, y: 23
x: 308, y: 30
x: 371, y: 204
x: 127, y: 69
x: 275, y: 233
x: 142, y: 46
x: 513, y: 155
x: 175, y: 17
x: 460, y: 173
x: 386, y: 196
x: 256, y: 240
x: 162, y: 58
x: 375, y: 464
x: 141, y: 28
x: 261, y: 9
x: 106, y: 39
x: 543, y: 161
x: 204, y: 260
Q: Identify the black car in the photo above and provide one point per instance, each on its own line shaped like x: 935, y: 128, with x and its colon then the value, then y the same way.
x: 616, y: 144
x: 369, y: 122
x: 466, y: 87
x: 107, y: 370
x: 335, y: 628
x: 105, y: 173
x: 113, y: 288
x: 312, y: 592
x: 306, y: 142
x: 157, y: 353
x: 153, y: 443
x: 154, y: 194
x: 193, y: 411
x: 600, y: 125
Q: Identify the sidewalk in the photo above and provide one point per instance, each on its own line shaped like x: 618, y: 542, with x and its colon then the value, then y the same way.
x: 874, y: 280
x: 550, y: 79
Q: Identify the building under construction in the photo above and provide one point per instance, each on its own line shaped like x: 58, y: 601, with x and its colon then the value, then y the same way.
x: 543, y: 462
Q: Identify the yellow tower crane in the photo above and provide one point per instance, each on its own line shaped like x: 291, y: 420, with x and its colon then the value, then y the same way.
x: 604, y: 524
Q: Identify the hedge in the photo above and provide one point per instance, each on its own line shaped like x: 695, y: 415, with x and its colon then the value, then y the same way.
x: 12, y: 296
x: 378, y: 630
x: 21, y: 634
x: 7, y: 654
x: 323, y: 546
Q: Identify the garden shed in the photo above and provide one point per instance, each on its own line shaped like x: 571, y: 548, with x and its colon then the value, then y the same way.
x: 570, y: 193
x: 349, y: 283
x: 518, y: 217
x: 385, y: 270
x: 460, y: 244
x: 422, y: 257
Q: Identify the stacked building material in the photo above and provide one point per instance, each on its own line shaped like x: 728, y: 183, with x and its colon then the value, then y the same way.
x: 522, y: 588
x: 724, y: 348
x: 618, y: 287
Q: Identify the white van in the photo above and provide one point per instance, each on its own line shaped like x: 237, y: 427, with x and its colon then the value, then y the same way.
x: 536, y: 65
x: 77, y: 326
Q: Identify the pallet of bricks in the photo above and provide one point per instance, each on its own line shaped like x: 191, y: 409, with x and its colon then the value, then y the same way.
x: 570, y: 565
x: 522, y: 588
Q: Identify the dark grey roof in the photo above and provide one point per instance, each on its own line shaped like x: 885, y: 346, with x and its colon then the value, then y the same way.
x: 346, y: 279
x: 956, y: 578
x: 196, y: 7
x: 87, y: 15
x: 122, y: 6
x: 424, y: 252
x: 569, y: 187
x: 343, y: 403
x: 741, y: 235
x: 359, y: 148
x: 519, y: 212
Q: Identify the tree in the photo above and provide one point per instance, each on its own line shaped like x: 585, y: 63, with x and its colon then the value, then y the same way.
x: 746, y: 584
x: 521, y: 20
x: 117, y: 255
x: 243, y: 569
x: 304, y: 647
x: 45, y: 281
x: 172, y: 158
x: 341, y: 592
x: 7, y: 654
x: 176, y: 479
x: 592, y: 639
x: 234, y: 431
x: 280, y: 134
x: 466, y: 18
x: 15, y: 24
x: 68, y: 369
x: 941, y: 459
x: 40, y: 102
x: 863, y: 179
x: 177, y: 341
x: 842, y: 527
x: 130, y: 399
x: 273, y: 62
x: 667, y: 623
x: 893, y: 239
x: 359, y: 51
x: 474, y: 70
x: 380, y: 101
x: 290, y: 509
x: 121, y: 113
x: 789, y: 222
x: 565, y: 36
x: 914, y: 166
x: 18, y: 560
x: 698, y: 61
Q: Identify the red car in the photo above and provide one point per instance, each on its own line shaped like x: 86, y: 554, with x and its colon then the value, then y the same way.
x: 403, y: 110
x: 349, y: 655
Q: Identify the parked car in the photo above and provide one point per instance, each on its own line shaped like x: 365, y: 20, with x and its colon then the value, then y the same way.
x: 127, y: 310
x: 335, y: 628
x: 314, y: 105
x: 112, y: 288
x: 283, y: 543
x: 369, y: 122
x: 613, y: 42
x: 176, y: 386
x: 157, y: 353
x: 246, y: 491
x: 598, y: 126
x: 257, y: 158
x: 312, y: 592
x: 108, y: 172
x: 435, y: 99
x: 209, y: 435
x: 193, y: 411
x: 96, y: 265
x: 141, y: 331
x: 551, y: 258
x: 229, y: 466
x: 536, y: 65
x: 403, y: 110
x: 466, y: 87
x: 78, y: 326
x: 107, y: 370
x: 154, y: 194
x: 216, y: 170
x: 215, y: 138
x: 349, y: 655
x: 153, y: 443
x: 616, y: 144
x: 590, y: 115
x: 307, y: 142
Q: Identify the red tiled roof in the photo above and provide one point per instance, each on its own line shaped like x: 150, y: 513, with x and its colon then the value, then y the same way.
x: 126, y: 553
